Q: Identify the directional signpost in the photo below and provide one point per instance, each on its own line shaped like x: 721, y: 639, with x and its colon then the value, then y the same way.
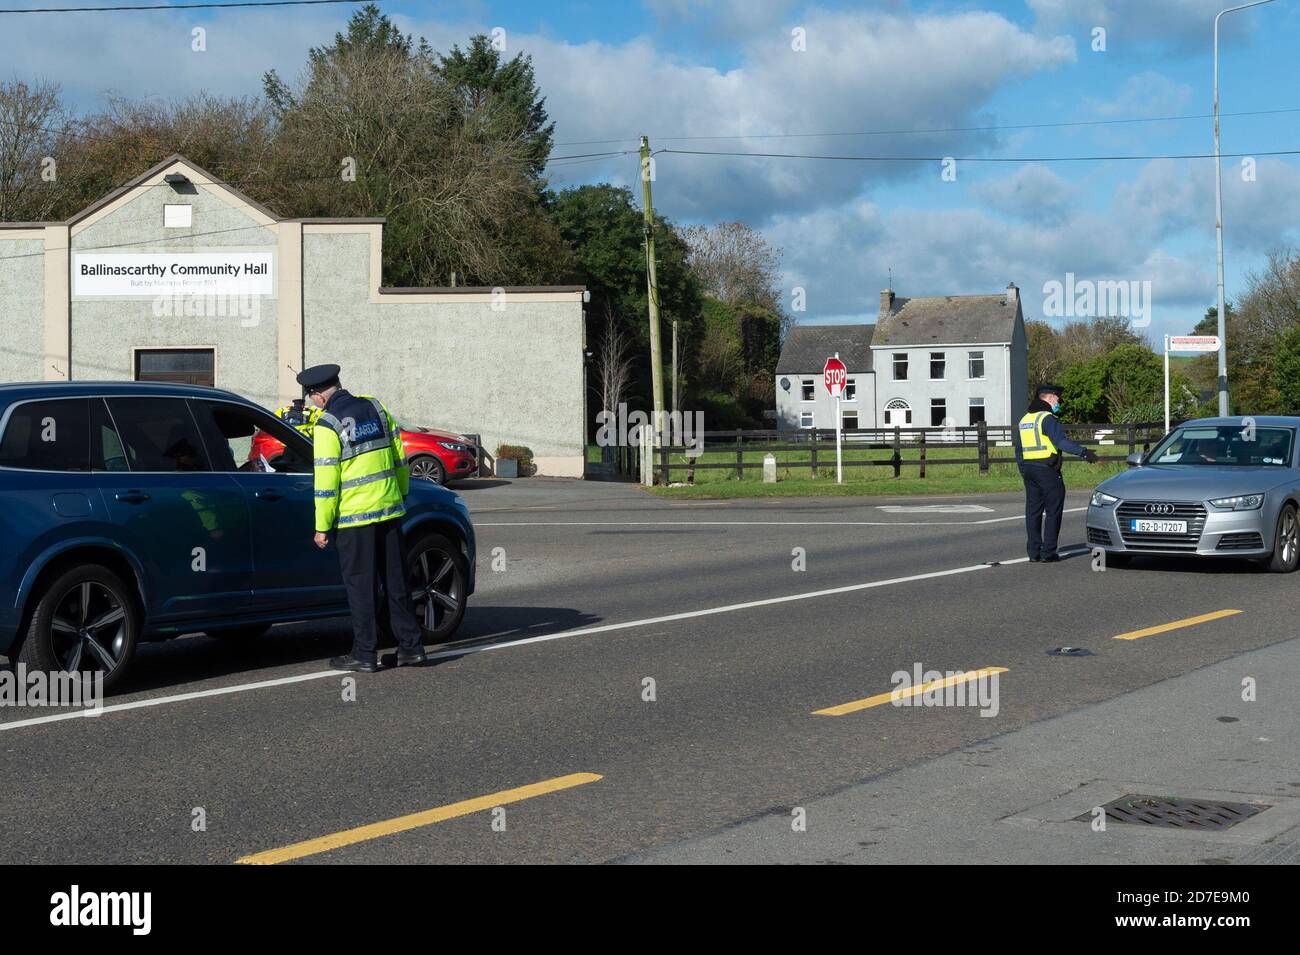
x: 1185, y: 343
x: 835, y: 376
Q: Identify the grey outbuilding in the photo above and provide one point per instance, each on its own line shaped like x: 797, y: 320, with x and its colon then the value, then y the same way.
x: 178, y: 276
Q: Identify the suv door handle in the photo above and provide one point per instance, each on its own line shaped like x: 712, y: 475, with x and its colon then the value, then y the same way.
x: 268, y: 494
x: 131, y: 497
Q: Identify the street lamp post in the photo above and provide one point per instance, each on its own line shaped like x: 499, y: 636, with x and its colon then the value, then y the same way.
x: 1218, y: 214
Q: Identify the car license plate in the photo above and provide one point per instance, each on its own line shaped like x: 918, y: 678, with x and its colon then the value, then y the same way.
x: 1143, y: 526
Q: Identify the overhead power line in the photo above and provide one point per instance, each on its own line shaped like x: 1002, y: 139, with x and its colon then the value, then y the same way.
x: 180, y: 6
x: 987, y: 159
x: 948, y: 129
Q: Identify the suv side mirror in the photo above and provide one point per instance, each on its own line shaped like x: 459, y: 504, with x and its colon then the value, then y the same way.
x: 1135, y: 459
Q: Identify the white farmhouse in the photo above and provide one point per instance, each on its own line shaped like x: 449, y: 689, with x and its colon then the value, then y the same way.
x: 936, y: 361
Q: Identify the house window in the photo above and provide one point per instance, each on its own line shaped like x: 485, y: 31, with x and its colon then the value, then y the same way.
x: 898, y: 413
x: 975, y: 363
x: 900, y: 366
x: 850, y: 420
x: 976, y: 410
x: 938, y: 412
x: 805, y: 419
x: 808, y: 390
x: 851, y: 390
x: 938, y: 365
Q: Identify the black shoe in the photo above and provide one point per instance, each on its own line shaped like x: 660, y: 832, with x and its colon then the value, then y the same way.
x: 351, y: 663
x: 1034, y: 558
x: 1050, y: 558
x: 411, y: 658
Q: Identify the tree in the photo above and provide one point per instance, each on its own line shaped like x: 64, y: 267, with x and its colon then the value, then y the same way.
x: 735, y: 264
x: 1286, y: 371
x: 1044, y: 345
x: 606, y: 231
x: 613, y: 364
x: 451, y: 177
x: 32, y: 122
x: 478, y: 77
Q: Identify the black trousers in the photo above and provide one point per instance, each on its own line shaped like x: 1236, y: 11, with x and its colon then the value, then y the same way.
x: 1044, y: 504
x: 374, y: 572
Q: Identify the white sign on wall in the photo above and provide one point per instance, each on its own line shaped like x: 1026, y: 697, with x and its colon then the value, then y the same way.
x: 147, y: 274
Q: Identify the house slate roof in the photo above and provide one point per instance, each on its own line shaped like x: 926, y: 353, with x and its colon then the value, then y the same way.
x: 807, y: 347
x: 948, y: 319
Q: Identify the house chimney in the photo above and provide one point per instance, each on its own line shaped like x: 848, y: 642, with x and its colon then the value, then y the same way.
x: 886, y: 301
x: 1013, y: 293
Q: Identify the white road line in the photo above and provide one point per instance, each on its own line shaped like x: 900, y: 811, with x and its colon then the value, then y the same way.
x: 542, y: 638
x: 160, y: 700
x: 987, y: 520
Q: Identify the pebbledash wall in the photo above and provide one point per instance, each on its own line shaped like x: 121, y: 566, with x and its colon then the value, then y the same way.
x: 506, y: 363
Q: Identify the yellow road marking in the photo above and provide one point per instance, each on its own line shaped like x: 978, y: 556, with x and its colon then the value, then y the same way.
x: 880, y: 699
x: 1176, y: 625
x: 415, y: 820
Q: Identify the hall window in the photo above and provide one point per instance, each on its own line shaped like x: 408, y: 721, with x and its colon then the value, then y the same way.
x: 808, y: 390
x: 975, y: 363
x: 938, y: 366
x: 900, y: 366
x: 851, y: 390
x: 178, y: 216
x: 186, y: 366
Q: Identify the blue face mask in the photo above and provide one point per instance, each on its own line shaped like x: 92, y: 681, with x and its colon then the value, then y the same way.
x: 1056, y: 407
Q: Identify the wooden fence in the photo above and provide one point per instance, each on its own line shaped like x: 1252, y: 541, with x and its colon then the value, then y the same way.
x: 929, y: 445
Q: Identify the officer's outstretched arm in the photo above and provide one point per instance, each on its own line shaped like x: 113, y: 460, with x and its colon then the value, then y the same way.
x: 325, y: 454
x: 399, y: 455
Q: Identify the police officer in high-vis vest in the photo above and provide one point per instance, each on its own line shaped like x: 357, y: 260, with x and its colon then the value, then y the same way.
x: 361, y: 479
x: 1039, y: 441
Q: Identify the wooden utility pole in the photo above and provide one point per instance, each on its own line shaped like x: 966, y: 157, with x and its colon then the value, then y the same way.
x: 677, y: 398
x: 652, y: 293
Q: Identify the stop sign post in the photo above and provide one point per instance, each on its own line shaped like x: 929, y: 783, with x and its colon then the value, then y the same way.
x: 835, y: 376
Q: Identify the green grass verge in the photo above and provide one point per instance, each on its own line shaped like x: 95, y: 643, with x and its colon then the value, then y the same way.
x: 795, y: 479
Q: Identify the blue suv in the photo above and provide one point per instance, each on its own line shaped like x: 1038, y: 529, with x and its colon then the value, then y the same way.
x: 140, y: 511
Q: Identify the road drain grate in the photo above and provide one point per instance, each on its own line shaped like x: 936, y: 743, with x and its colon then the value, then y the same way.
x: 1170, y: 813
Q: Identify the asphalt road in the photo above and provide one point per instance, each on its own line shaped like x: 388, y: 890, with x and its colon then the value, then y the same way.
x: 599, y: 589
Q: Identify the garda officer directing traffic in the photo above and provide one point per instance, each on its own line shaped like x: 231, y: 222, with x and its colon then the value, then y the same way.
x: 1039, y: 441
x: 361, y: 479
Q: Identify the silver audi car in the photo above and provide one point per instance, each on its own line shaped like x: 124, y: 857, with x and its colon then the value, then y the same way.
x: 1214, y: 487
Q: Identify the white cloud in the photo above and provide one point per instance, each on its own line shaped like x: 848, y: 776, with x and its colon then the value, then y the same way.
x: 1145, y: 94
x: 1158, y: 228
x: 1185, y: 25
x: 860, y: 72
x: 1033, y: 192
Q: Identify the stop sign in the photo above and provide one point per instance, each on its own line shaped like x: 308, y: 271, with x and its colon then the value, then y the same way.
x: 835, y: 376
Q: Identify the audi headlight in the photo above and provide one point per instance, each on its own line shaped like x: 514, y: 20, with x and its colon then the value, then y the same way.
x: 1102, y: 499
x: 1241, y: 502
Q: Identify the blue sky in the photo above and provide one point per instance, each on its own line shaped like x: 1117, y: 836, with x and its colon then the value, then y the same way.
x: 695, y: 68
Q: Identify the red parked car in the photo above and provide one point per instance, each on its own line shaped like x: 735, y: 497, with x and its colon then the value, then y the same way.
x: 432, y: 454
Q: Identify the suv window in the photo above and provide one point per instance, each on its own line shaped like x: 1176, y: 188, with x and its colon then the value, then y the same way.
x: 246, y: 439
x: 158, y: 434
x: 106, y: 451
x: 48, y: 436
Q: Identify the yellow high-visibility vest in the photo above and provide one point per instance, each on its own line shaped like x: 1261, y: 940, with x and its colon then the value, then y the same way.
x: 358, y: 482
x: 1034, y: 444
